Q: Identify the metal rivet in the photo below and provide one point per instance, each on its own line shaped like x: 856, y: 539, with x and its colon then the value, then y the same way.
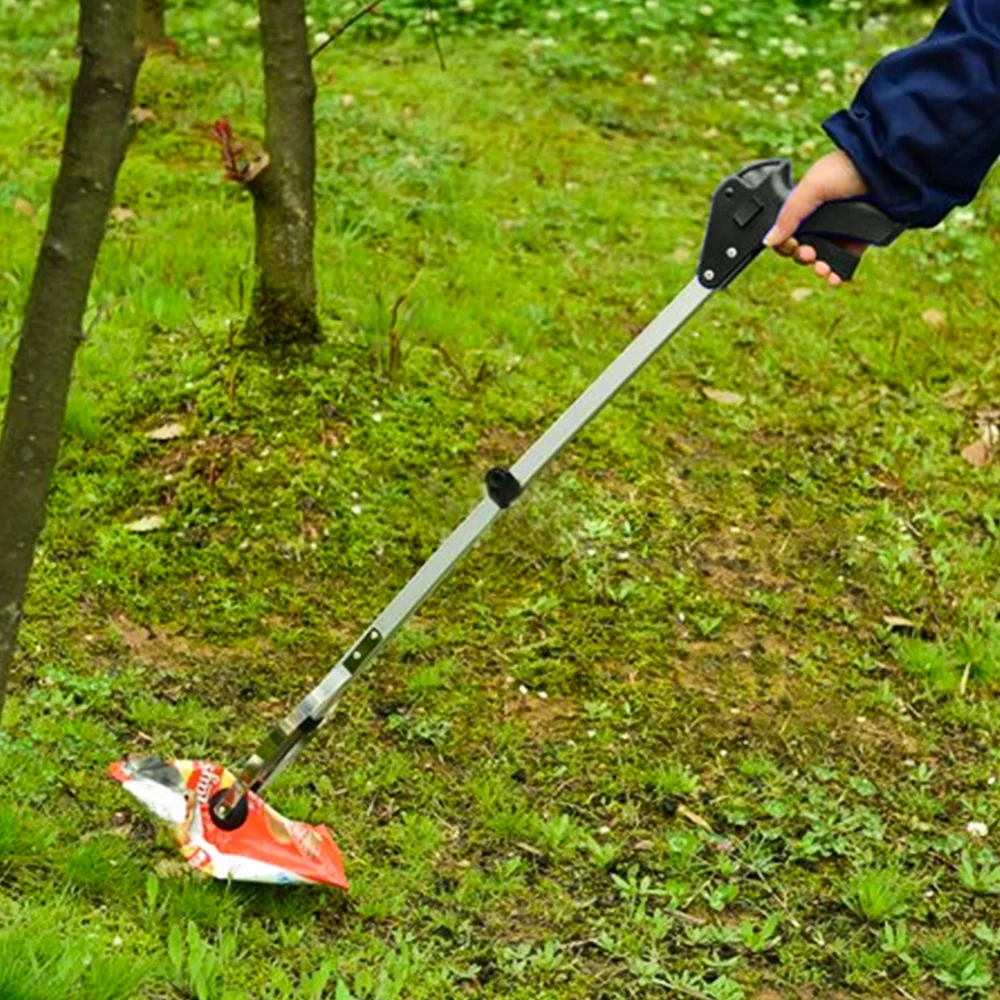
x: 731, y: 252
x: 357, y: 656
x: 709, y: 275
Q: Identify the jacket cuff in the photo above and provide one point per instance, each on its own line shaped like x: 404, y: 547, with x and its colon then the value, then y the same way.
x: 902, y: 197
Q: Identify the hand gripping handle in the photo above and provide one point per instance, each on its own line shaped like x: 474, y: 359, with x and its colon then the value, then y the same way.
x: 853, y: 219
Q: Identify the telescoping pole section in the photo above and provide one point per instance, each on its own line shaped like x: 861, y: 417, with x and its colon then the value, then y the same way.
x: 285, y: 740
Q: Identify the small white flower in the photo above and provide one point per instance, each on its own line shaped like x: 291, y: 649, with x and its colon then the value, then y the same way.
x: 780, y: 101
x: 213, y: 42
x: 706, y: 10
x: 252, y: 24
x: 648, y: 80
x: 591, y: 733
x: 652, y: 4
x: 824, y: 74
x: 553, y: 15
x: 977, y: 829
x: 466, y: 6
x: 347, y: 100
x: 431, y: 16
x: 543, y: 695
x: 622, y: 556
x: 644, y: 40
x: 604, y: 829
x: 377, y: 417
x: 356, y: 509
x: 522, y: 689
x: 321, y: 37
x: 310, y: 22
x: 827, y: 88
x: 601, y: 16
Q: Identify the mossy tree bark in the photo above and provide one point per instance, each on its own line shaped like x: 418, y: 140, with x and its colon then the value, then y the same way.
x: 97, y: 134
x: 283, y: 305
x: 152, y: 23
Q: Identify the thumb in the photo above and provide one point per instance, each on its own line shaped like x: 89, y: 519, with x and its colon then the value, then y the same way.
x: 801, y: 203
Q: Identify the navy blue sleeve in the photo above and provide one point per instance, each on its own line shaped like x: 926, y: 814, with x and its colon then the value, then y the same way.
x: 924, y: 129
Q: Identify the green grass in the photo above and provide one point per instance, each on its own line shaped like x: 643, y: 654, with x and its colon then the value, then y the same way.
x: 741, y: 778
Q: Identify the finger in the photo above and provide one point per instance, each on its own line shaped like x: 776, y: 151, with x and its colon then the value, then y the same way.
x: 835, y: 280
x: 801, y: 203
x: 805, y: 255
x: 822, y: 269
x: 787, y: 249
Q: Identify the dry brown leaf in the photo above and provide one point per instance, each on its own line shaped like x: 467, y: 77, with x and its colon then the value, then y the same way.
x: 25, y: 208
x: 140, y: 116
x: 897, y: 621
x: 934, y: 318
x: 693, y: 817
x: 988, y: 422
x: 170, y: 868
x: 121, y: 214
x: 978, y: 453
x: 166, y: 432
x: 954, y: 397
x: 801, y: 294
x: 255, y: 166
x: 723, y: 397
x: 149, y: 523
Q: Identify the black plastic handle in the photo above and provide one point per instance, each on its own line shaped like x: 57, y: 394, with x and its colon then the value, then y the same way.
x: 853, y: 219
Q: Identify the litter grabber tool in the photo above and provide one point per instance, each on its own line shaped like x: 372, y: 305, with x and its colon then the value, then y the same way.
x: 223, y: 826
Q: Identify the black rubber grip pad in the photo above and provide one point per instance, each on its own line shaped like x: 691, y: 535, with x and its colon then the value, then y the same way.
x: 842, y: 262
x: 852, y: 219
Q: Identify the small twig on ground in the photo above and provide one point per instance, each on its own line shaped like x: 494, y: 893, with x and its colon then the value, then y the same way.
x: 432, y: 8
x: 334, y: 35
x: 681, y: 915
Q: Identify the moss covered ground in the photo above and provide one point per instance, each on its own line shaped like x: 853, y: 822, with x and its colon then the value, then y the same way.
x: 708, y: 714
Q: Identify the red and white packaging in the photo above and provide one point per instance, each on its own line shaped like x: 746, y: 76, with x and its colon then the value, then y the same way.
x: 266, y: 847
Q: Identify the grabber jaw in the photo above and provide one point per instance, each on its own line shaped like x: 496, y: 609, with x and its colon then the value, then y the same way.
x: 253, y: 844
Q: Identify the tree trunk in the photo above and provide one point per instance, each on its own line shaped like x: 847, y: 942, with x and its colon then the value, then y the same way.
x: 97, y: 134
x: 283, y: 306
x: 152, y: 23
